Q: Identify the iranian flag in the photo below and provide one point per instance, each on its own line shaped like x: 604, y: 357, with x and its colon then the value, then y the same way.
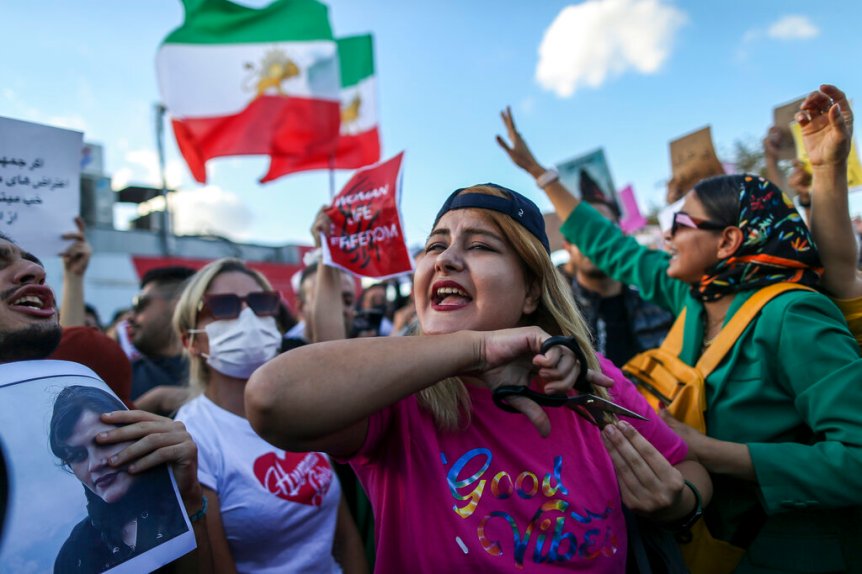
x: 246, y: 81
x: 359, y: 140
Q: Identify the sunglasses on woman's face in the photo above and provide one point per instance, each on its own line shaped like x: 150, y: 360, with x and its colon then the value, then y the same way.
x: 682, y: 219
x: 226, y: 306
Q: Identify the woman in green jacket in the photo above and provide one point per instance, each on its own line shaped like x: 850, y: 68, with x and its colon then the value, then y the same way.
x: 784, y: 443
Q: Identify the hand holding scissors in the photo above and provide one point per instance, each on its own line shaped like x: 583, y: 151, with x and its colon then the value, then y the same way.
x: 595, y: 409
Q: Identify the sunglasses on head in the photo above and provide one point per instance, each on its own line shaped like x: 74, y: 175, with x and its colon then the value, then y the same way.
x: 682, y: 219
x: 228, y: 305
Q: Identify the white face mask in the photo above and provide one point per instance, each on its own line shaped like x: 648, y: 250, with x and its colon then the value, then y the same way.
x: 239, y: 346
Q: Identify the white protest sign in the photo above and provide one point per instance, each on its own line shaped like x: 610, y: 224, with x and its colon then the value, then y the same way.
x: 67, y: 509
x: 40, y: 169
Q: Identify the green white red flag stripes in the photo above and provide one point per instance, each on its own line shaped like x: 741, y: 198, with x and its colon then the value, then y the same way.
x: 359, y: 139
x: 244, y: 81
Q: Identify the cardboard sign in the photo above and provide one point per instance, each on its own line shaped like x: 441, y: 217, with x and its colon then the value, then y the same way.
x: 40, y: 170
x: 589, y: 177
x: 854, y: 167
x: 782, y: 117
x: 367, y: 236
x: 692, y: 158
x: 631, y: 219
x: 57, y: 485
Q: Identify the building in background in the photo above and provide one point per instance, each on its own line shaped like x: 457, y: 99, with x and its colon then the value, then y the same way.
x: 120, y: 257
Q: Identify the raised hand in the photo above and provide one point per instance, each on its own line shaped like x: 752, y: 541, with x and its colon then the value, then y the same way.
x: 827, y: 126
x: 322, y: 225
x: 511, y: 357
x: 76, y: 257
x: 518, y: 151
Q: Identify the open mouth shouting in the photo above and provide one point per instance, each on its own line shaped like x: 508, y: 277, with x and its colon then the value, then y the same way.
x: 33, y: 300
x: 449, y: 296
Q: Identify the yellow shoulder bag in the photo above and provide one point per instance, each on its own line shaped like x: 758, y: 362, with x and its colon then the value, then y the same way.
x: 663, y: 379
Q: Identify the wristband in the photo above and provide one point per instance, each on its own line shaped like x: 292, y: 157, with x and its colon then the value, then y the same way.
x: 200, y: 513
x: 550, y: 176
x: 683, y: 526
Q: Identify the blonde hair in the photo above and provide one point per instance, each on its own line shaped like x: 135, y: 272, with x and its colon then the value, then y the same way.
x: 189, y: 304
x: 448, y: 401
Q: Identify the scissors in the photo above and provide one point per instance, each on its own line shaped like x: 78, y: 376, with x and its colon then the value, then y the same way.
x: 594, y: 409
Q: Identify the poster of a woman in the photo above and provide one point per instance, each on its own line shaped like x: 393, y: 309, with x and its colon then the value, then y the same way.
x: 69, y: 510
x: 125, y: 514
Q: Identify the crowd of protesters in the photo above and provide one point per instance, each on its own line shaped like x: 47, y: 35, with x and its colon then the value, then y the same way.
x: 370, y: 429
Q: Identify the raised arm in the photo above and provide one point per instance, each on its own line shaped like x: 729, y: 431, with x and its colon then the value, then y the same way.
x: 76, y: 258
x: 620, y: 257
x: 827, y: 127
x: 326, y: 316
x: 319, y: 397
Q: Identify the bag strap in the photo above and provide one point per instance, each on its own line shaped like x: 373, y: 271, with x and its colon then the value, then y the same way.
x: 728, y: 335
x: 673, y: 340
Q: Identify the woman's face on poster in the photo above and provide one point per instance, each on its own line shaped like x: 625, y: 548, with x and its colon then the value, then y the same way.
x: 89, y: 459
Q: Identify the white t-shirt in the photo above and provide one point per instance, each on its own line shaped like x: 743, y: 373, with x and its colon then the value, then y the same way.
x: 278, y: 508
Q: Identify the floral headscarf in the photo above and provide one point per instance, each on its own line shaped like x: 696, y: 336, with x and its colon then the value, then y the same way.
x: 777, y: 245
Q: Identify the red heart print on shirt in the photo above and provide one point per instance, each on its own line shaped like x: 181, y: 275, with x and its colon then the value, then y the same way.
x: 298, y: 477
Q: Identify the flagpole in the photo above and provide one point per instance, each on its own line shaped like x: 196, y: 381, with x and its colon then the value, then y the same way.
x: 164, y: 220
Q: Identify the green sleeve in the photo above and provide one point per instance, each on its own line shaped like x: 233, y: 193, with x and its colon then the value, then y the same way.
x: 819, y: 368
x: 623, y: 258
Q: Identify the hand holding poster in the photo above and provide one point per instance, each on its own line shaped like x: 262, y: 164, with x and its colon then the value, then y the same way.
x: 366, y: 236
x: 68, y: 510
x: 39, y: 184
x: 692, y: 158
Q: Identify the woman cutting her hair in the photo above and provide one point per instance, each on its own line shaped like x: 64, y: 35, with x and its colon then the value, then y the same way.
x: 457, y: 483
x: 783, y: 430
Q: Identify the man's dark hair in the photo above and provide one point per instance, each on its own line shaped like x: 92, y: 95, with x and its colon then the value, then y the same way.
x: 170, y: 278
x: 90, y: 310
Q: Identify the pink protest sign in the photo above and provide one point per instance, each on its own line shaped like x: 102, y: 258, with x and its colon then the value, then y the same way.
x: 632, y: 220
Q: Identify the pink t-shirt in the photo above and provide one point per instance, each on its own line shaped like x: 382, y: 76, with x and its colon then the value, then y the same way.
x: 497, y: 497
